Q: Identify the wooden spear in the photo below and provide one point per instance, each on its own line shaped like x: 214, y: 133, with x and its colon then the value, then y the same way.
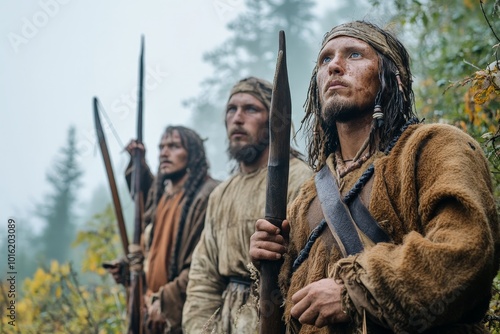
x: 271, y: 311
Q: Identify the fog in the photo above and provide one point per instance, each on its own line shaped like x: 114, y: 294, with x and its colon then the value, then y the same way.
x: 58, y: 54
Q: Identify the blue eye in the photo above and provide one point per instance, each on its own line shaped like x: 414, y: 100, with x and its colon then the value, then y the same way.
x: 355, y: 55
x: 251, y: 109
x: 326, y: 60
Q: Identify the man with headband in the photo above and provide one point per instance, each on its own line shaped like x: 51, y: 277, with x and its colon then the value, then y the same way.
x: 219, y: 296
x: 398, y: 230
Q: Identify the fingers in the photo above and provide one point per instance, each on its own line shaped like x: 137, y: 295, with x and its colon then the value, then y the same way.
x: 118, y: 270
x: 266, y: 243
x: 133, y: 145
x: 301, y: 294
x: 130, y: 146
x: 118, y: 278
x: 306, y: 314
x: 115, y: 271
x: 303, y: 310
x: 265, y: 226
x: 265, y: 250
x: 156, y: 322
x: 319, y: 303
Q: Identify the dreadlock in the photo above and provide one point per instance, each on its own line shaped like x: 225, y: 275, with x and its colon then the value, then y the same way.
x: 395, y: 97
x: 197, y: 166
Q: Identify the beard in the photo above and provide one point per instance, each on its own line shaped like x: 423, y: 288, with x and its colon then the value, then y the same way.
x: 174, y: 176
x: 342, y: 112
x: 250, y: 152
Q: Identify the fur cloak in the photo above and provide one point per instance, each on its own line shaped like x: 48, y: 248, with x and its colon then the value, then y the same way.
x: 433, y: 196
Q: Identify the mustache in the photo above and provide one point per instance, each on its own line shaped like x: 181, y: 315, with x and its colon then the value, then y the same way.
x: 238, y: 131
x: 335, y: 82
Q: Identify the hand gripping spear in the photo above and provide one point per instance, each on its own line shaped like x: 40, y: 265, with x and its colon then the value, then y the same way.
x: 276, y: 192
x: 136, y: 257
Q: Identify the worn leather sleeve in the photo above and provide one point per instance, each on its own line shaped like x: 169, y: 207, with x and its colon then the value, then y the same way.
x: 440, y: 272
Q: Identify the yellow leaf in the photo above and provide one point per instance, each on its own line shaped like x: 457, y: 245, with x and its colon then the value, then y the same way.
x: 39, y: 280
x: 58, y: 292
x: 82, y: 313
x: 64, y: 269
x: 469, y: 4
x: 101, y: 271
x: 54, y: 266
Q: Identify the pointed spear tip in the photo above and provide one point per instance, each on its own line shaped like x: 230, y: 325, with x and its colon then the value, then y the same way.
x: 95, y: 103
x: 142, y: 48
x: 282, y: 44
x: 97, y: 120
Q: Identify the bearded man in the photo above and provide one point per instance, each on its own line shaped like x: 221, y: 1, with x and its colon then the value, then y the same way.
x: 175, y: 210
x: 218, y: 293
x: 398, y: 230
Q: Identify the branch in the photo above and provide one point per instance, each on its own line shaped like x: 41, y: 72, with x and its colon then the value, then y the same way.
x: 488, y: 21
x: 75, y: 282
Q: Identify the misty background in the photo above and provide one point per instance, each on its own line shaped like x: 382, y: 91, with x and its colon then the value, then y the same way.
x: 58, y: 54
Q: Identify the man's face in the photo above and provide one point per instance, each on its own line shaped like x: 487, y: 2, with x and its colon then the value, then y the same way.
x: 247, y: 127
x: 347, y: 79
x: 173, y: 156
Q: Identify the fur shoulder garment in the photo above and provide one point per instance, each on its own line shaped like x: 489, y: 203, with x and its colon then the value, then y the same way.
x: 433, y: 196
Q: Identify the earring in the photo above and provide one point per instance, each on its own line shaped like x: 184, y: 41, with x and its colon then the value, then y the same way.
x: 378, y: 115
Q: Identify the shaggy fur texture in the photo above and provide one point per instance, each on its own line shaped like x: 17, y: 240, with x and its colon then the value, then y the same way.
x: 433, y: 196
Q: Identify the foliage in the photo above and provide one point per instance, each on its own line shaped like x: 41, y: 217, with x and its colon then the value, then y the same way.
x: 482, y: 107
x: 456, y: 45
x: 101, y: 239
x: 493, y: 316
x: 56, y: 302
x: 57, y: 211
x: 446, y: 38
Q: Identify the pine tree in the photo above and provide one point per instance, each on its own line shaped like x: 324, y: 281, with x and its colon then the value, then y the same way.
x: 58, y: 209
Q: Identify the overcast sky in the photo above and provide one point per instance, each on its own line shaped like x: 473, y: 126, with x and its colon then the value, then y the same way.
x: 58, y: 54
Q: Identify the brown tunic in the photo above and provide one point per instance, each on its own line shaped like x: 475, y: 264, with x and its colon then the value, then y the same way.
x: 173, y: 293
x: 215, y: 302
x: 433, y: 196
x: 168, y: 214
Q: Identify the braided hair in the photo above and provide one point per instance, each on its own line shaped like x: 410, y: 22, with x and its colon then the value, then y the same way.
x: 197, y: 165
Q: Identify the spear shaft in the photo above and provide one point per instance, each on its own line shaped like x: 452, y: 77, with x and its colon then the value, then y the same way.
x: 135, y: 251
x: 276, y: 191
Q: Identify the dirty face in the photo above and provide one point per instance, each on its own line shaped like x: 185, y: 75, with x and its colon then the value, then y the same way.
x: 247, y: 127
x: 173, y: 155
x: 347, y: 79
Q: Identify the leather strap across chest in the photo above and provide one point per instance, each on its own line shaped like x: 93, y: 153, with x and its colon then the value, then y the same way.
x: 345, y: 220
